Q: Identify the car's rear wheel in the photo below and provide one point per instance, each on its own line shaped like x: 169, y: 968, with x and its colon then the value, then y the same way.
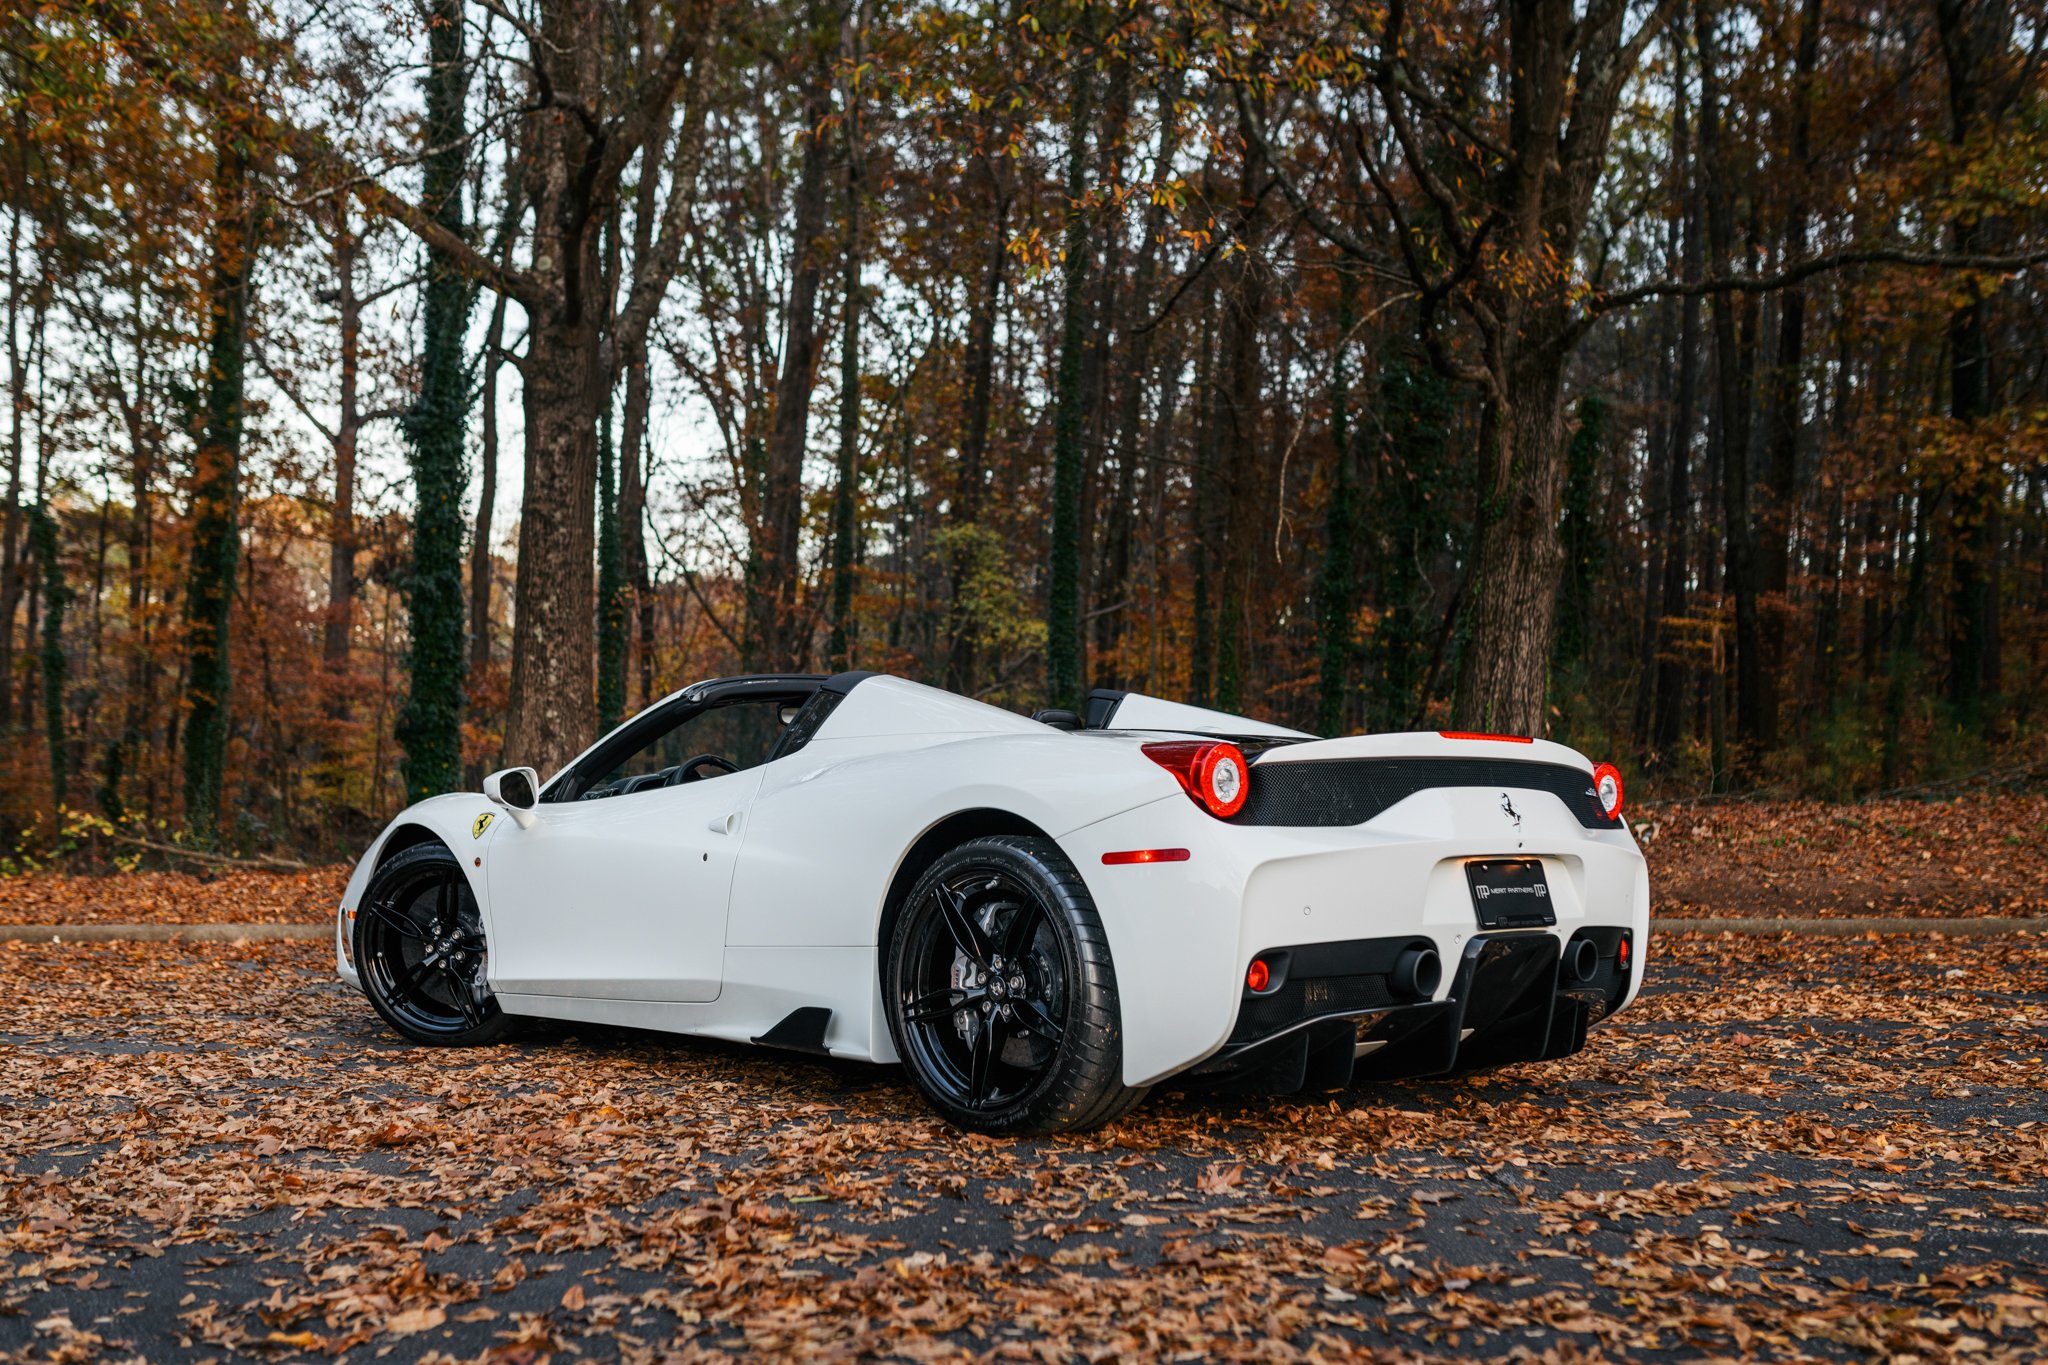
x: 1002, y: 996
x: 421, y: 953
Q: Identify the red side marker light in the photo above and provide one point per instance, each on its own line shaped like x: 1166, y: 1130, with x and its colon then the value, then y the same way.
x: 1480, y: 734
x: 1145, y: 855
x: 1259, y: 976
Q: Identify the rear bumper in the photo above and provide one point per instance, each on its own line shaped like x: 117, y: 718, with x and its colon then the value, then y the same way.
x: 1339, y: 1015
x: 1183, y: 933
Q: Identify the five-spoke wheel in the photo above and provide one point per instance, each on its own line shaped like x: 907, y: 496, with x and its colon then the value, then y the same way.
x: 1003, y: 994
x: 421, y: 953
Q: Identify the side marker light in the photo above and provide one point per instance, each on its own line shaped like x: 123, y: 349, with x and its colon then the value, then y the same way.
x: 1145, y: 855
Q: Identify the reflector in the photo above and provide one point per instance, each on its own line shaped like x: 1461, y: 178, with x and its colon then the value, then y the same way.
x: 1259, y: 977
x: 1146, y: 855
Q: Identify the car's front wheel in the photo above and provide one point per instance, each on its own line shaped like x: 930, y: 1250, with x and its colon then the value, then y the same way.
x: 1002, y: 996
x: 421, y: 953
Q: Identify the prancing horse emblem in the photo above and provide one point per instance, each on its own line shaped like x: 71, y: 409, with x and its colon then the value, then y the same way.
x: 1509, y: 807
x: 483, y: 822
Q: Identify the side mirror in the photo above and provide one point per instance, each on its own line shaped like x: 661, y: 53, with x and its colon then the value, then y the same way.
x: 518, y: 791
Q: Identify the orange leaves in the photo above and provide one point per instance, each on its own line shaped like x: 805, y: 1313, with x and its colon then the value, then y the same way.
x: 1700, y: 1181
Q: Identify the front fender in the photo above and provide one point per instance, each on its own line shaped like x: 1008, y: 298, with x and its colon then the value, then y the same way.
x: 465, y: 822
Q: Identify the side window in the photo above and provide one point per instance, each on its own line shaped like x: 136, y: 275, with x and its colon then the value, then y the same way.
x: 721, y: 739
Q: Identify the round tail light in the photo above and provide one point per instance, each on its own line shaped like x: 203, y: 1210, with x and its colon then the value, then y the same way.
x: 1215, y: 774
x: 1222, y: 779
x: 1607, y: 788
x: 1258, y: 977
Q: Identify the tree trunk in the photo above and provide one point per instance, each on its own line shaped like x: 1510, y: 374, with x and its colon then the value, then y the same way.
x: 979, y: 363
x: 1063, y: 600
x: 1671, y: 671
x: 781, y: 633
x: 480, y: 570
x: 1207, y: 528
x: 1518, y: 558
x: 554, y: 598
x: 56, y: 596
x: 217, y: 467
x: 1973, y: 35
x: 1778, y: 515
x: 341, y: 535
x: 1755, y: 716
x: 611, y: 585
x: 10, y: 537
x: 846, y: 492
x: 1114, y: 588
x: 430, y: 728
x: 1336, y: 586
x: 633, y: 520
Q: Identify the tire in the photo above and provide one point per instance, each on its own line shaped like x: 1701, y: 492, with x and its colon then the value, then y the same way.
x: 1001, y: 995
x: 421, y: 954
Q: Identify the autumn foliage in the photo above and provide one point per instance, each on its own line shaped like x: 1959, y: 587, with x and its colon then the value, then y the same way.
x: 1667, y: 382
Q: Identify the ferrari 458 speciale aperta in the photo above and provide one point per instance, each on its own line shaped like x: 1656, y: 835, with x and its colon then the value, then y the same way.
x: 1040, y: 917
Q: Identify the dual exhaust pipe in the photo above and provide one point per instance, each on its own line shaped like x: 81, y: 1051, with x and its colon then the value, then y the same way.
x: 1419, y: 970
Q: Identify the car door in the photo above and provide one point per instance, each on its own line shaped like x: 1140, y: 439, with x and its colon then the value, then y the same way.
x: 615, y: 886
x: 622, y: 898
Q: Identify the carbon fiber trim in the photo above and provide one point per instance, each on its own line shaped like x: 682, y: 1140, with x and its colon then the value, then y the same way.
x: 1351, y: 791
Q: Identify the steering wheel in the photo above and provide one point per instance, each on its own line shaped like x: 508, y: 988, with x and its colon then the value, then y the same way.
x: 694, y: 769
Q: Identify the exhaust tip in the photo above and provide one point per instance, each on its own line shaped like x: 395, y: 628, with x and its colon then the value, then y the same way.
x: 1418, y: 972
x: 1582, y: 960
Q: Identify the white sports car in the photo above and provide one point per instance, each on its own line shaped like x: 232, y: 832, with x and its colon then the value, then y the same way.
x: 1040, y: 918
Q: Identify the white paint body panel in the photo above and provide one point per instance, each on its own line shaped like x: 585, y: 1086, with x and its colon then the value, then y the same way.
x: 718, y: 907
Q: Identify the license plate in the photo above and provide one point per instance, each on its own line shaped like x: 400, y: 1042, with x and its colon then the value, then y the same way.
x: 1510, y: 893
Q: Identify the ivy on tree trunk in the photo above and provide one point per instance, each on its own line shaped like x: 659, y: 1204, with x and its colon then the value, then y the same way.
x: 430, y: 727
x: 216, y: 476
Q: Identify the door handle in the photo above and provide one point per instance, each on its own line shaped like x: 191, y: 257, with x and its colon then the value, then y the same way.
x: 726, y: 824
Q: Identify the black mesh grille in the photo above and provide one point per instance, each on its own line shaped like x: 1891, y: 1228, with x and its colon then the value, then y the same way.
x: 1350, y: 791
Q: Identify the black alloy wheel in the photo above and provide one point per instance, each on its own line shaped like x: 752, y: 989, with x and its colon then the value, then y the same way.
x: 1003, y: 997
x: 421, y: 953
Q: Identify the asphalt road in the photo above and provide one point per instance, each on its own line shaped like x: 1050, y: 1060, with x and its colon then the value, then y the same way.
x: 1789, y: 1149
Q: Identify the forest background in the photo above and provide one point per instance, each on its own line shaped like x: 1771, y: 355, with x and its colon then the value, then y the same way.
x: 399, y: 390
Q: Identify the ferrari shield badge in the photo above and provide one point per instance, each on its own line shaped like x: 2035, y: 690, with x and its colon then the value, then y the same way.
x: 483, y: 822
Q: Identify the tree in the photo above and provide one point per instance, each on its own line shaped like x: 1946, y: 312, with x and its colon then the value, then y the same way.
x: 1063, y: 596
x: 217, y: 463
x: 846, y: 492
x: 591, y: 124
x: 1510, y: 234
x: 437, y: 432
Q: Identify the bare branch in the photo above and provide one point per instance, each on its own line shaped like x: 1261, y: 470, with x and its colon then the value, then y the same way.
x: 1771, y: 281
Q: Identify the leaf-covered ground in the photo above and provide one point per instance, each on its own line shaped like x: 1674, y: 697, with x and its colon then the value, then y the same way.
x: 1979, y: 855
x: 236, y: 897
x: 1982, y: 855
x: 1792, y: 1148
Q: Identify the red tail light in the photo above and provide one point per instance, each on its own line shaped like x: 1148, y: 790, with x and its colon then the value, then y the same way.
x: 1258, y: 977
x: 1480, y: 734
x: 1607, y: 787
x: 1213, y: 773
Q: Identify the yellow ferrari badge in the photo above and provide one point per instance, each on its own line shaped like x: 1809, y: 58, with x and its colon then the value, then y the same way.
x: 483, y: 822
